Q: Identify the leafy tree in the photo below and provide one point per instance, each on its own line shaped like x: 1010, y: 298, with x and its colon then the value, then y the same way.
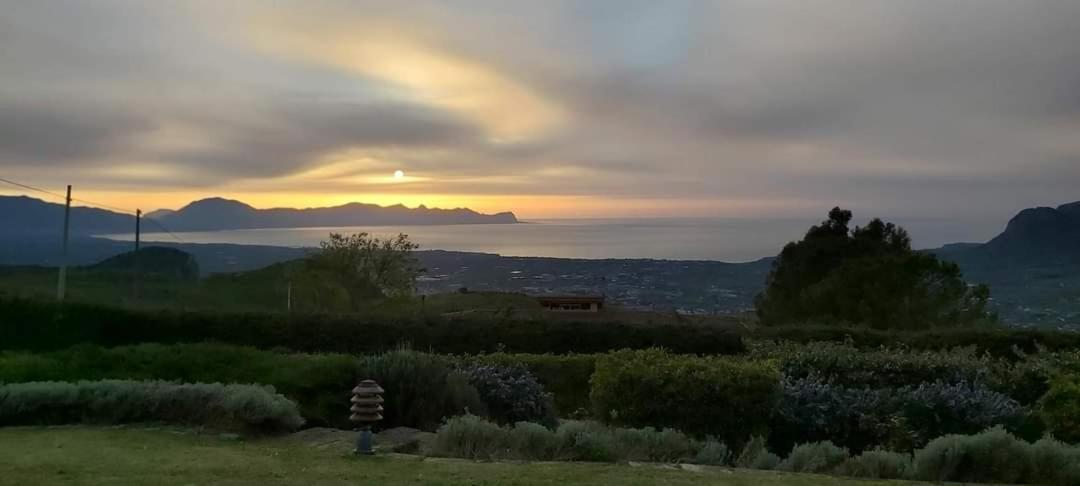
x: 349, y: 270
x: 867, y: 276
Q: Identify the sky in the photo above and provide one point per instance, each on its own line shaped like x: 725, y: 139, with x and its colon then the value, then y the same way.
x: 955, y: 109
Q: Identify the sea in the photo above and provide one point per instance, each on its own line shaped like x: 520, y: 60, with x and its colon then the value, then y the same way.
x: 730, y: 240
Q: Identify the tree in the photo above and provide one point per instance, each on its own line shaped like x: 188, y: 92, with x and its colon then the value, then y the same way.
x: 867, y: 276
x: 358, y: 268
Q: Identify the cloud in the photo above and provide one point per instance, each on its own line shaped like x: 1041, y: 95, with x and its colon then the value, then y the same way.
x: 902, y: 107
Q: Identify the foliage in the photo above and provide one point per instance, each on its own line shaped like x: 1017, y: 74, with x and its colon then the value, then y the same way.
x: 713, y: 453
x: 245, y: 408
x: 511, y: 393
x: 45, y: 326
x: 362, y: 268
x: 1060, y: 408
x: 476, y: 438
x: 421, y: 389
x: 565, y: 376
x: 717, y: 396
x: 755, y: 455
x: 470, y: 437
x: 819, y: 457
x: 868, y: 276
x: 903, y: 417
x: 877, y: 464
x: 1054, y: 462
x: 990, y: 456
x: 317, y: 382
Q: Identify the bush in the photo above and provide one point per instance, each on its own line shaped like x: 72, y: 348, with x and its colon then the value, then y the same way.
x: 242, y: 408
x: 713, y: 453
x: 586, y: 441
x: 902, y: 418
x: 877, y: 464
x: 470, y: 437
x: 566, y: 377
x: 991, y: 456
x: 1000, y: 342
x: 44, y: 326
x: 1060, y: 408
x: 319, y: 383
x: 819, y: 457
x: 511, y: 394
x: 1054, y: 462
x: 533, y: 441
x: 707, y: 395
x: 755, y: 455
x: 421, y: 389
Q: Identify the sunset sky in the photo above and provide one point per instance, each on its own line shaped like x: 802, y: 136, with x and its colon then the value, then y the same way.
x: 548, y: 108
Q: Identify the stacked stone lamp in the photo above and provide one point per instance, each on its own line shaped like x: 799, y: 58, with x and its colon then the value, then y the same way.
x: 366, y: 409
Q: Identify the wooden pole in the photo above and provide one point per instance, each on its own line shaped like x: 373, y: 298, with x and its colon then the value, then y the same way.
x: 137, y: 264
x: 61, y: 285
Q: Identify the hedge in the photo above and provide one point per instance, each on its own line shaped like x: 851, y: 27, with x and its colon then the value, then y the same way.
x: 998, y: 341
x: 241, y: 408
x: 421, y: 389
x: 319, y: 383
x: 725, y: 397
x: 566, y: 377
x: 43, y: 326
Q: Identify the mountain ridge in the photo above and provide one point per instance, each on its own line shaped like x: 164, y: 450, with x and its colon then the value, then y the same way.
x: 22, y: 214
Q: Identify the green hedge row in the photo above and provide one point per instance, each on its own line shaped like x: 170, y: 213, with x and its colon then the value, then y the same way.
x: 241, y: 408
x: 997, y: 341
x: 724, y: 397
x: 43, y: 326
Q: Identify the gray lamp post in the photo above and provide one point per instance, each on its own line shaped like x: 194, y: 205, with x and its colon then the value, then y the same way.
x: 366, y: 409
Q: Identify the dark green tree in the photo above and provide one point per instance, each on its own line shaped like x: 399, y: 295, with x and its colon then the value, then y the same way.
x: 355, y: 269
x: 867, y: 276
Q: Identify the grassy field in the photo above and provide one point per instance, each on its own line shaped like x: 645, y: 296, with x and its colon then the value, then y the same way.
x: 115, y: 456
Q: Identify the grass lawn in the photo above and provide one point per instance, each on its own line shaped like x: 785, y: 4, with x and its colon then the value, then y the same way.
x: 115, y: 456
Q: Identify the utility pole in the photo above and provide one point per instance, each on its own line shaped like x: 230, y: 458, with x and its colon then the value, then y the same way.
x: 61, y: 285
x: 137, y: 264
x: 288, y: 297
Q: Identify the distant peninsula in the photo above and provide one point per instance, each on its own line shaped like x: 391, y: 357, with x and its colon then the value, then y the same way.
x: 29, y: 215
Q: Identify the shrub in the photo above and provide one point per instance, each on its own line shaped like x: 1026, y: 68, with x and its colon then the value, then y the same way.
x: 586, y: 441
x: 713, y: 453
x: 649, y: 444
x: 990, y: 456
x: 1054, y: 462
x: 566, y: 377
x: 708, y: 395
x: 421, y: 389
x: 1001, y: 342
x: 903, y: 418
x: 755, y: 455
x: 533, y: 441
x: 44, y: 326
x: 243, y: 408
x: 877, y: 464
x: 511, y: 394
x: 469, y: 437
x: 319, y: 383
x: 1060, y: 408
x: 819, y: 457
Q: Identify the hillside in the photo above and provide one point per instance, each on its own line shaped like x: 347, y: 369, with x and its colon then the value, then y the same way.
x: 221, y: 214
x: 23, y: 215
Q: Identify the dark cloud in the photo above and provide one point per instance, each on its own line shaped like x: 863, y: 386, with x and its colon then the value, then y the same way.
x: 50, y: 132
x: 902, y: 104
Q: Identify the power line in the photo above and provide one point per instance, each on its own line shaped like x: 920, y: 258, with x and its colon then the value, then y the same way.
x: 32, y: 188
x: 92, y: 203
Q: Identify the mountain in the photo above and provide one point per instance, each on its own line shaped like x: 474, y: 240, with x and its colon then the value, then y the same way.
x: 221, y: 214
x: 1041, y: 233
x: 156, y: 261
x: 24, y: 215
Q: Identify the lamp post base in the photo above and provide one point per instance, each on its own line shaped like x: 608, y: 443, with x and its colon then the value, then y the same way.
x: 364, y: 442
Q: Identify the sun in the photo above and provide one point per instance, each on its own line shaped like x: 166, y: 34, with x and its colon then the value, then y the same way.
x: 399, y: 174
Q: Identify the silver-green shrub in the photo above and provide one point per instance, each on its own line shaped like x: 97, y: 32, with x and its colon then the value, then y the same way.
x: 991, y: 456
x: 1054, y: 462
x: 470, y: 437
x: 756, y: 455
x: 818, y: 457
x: 241, y: 408
x: 713, y: 453
x: 877, y: 464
